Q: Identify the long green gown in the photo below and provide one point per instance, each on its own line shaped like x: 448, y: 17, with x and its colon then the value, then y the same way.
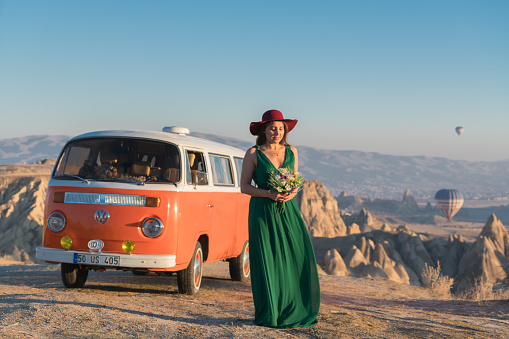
x: 284, y: 276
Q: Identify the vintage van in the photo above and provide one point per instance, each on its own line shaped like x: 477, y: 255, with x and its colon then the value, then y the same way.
x: 146, y: 201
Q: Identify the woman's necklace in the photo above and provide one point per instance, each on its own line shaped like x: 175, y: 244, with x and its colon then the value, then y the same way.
x: 272, y: 150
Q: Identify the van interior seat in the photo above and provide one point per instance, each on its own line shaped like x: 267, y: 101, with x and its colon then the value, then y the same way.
x: 141, y: 169
x: 191, y: 157
x: 194, y: 176
x: 172, y: 174
x: 108, y: 159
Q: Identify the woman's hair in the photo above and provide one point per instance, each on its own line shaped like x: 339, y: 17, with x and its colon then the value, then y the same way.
x: 262, y: 138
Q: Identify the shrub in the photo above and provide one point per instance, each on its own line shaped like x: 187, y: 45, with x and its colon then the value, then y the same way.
x: 439, y: 284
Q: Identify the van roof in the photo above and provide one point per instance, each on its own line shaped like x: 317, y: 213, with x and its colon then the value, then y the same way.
x: 178, y: 139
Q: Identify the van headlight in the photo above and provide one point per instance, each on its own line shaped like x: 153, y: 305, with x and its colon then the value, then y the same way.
x: 152, y: 227
x: 56, y: 221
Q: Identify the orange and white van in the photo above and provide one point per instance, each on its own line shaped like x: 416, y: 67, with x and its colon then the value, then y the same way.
x: 146, y: 201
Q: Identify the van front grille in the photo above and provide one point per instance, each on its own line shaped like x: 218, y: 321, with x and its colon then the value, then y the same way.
x: 104, y: 199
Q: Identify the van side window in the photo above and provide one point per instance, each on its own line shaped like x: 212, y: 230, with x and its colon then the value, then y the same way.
x: 196, y: 171
x: 221, y: 170
x: 238, y: 167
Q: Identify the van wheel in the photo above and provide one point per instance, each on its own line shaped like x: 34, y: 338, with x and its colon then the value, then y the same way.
x: 189, y: 279
x: 73, y: 276
x: 240, y: 268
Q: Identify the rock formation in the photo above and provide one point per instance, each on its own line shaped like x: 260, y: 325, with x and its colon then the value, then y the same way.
x: 320, y: 211
x: 415, y: 255
x: 389, y: 266
x: 353, y: 229
x: 364, y: 220
x: 334, y: 264
x: 408, y: 204
x: 349, y: 203
x: 21, y: 216
x: 486, y: 260
x: 497, y: 233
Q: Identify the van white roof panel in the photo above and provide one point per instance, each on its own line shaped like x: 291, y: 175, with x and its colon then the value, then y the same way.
x: 177, y: 139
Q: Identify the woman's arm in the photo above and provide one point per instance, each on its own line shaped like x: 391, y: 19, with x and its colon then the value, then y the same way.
x: 248, y: 169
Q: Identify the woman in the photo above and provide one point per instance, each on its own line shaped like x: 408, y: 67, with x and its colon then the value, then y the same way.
x: 284, y: 277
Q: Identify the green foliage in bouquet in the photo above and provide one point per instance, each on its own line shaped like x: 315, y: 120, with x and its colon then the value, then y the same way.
x: 284, y: 180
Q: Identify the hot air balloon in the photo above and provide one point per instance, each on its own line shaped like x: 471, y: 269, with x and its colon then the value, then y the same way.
x: 459, y: 130
x: 449, y: 202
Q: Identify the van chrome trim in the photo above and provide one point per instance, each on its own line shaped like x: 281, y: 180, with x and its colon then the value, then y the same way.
x: 126, y: 260
x: 104, y: 199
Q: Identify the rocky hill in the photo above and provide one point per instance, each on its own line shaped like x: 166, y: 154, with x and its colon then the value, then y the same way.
x: 21, y: 216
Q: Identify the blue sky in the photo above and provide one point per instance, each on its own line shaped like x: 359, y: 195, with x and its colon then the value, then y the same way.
x: 393, y: 77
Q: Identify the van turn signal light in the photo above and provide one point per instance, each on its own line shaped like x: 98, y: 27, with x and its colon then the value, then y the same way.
x: 152, y: 202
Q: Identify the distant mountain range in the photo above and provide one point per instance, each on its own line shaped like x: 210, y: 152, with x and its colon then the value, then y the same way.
x: 358, y: 173
x: 31, y: 148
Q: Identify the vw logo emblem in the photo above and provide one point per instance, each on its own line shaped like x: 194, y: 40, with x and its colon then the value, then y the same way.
x: 101, y: 216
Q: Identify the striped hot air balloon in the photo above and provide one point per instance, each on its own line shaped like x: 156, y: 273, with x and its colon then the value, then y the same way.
x: 449, y: 202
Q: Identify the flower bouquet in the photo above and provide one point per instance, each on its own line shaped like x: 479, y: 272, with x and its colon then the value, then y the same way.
x: 284, y: 180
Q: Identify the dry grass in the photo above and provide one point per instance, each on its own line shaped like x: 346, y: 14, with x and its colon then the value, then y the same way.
x: 437, y: 283
x: 483, y: 291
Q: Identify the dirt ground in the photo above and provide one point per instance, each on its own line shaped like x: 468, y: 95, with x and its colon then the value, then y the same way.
x: 35, y: 304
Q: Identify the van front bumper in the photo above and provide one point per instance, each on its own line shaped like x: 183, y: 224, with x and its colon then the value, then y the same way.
x: 106, y: 259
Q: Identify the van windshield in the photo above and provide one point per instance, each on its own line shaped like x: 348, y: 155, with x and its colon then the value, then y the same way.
x: 119, y: 159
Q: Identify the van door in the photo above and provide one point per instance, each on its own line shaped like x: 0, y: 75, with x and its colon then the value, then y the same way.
x: 196, y: 205
x: 224, y: 233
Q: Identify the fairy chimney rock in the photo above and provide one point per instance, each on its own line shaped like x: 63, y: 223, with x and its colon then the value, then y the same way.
x: 353, y: 229
x: 386, y: 228
x: 374, y: 271
x: 408, y: 201
x: 481, y: 262
x: 320, y: 211
x: 495, y: 230
x: 334, y: 264
x: 381, y: 258
x: 355, y: 258
x: 365, y: 217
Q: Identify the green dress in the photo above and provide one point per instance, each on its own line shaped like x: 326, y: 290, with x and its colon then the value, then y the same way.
x: 284, y: 276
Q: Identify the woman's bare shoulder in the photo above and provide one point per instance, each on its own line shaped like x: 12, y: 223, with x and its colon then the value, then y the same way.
x: 250, y: 153
x: 293, y: 148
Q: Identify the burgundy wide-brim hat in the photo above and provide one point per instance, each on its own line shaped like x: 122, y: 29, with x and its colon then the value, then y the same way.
x: 271, y: 115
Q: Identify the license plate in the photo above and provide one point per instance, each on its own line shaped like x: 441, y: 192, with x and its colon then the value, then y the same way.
x: 96, y: 259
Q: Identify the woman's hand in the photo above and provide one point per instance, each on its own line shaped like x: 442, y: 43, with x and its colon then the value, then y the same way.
x: 274, y: 196
x: 287, y: 197
x: 281, y: 197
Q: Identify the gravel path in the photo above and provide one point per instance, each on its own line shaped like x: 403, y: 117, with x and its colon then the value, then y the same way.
x: 34, y: 304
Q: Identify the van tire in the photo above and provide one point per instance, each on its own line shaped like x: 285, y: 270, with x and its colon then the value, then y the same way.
x: 240, y: 267
x: 73, y: 276
x: 189, y: 279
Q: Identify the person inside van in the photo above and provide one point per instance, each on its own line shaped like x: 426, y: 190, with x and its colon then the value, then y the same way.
x: 284, y: 276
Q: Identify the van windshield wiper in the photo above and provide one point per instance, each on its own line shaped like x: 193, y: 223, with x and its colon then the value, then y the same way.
x: 134, y: 181
x: 72, y: 176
